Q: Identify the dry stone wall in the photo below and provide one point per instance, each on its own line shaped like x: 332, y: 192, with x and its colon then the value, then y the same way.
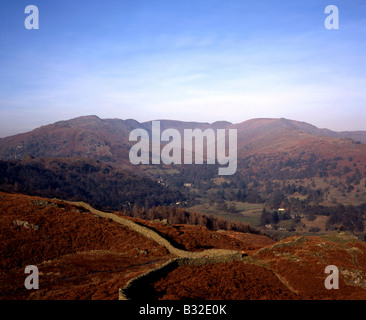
x: 135, y: 285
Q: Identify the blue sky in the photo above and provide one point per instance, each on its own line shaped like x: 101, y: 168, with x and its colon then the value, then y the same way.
x: 201, y: 60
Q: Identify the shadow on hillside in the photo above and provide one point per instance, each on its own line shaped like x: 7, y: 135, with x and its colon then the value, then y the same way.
x: 143, y: 288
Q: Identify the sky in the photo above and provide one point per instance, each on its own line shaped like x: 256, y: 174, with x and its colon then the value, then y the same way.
x: 191, y: 60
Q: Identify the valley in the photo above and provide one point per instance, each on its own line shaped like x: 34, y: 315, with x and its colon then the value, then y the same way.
x: 281, y: 164
x: 296, y: 204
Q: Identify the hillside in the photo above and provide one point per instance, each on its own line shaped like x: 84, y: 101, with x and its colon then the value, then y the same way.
x: 281, y: 163
x: 83, y: 179
x: 108, y: 139
x: 83, y: 253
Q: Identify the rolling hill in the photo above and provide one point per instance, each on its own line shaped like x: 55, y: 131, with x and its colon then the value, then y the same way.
x: 86, y: 254
x: 281, y: 162
x: 108, y: 139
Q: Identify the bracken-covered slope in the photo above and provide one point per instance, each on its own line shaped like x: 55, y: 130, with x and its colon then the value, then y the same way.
x: 82, y: 254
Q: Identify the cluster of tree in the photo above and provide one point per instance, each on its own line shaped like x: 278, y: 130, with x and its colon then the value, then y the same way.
x: 273, y: 217
x: 275, y: 199
x: 349, y: 217
x: 180, y: 216
x: 281, y: 167
x: 198, y: 175
x: 229, y: 193
x: 303, y: 166
x: 250, y: 195
x: 84, y: 180
x: 254, y: 180
x: 355, y: 178
x: 274, y: 193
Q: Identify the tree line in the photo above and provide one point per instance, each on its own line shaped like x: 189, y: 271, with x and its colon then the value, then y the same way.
x: 175, y: 215
x: 84, y: 180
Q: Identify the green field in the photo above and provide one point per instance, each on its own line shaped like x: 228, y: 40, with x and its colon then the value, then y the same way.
x: 246, y: 212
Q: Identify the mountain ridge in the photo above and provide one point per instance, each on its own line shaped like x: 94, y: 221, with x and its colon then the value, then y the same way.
x: 285, y: 147
x: 223, y: 124
x: 104, y: 137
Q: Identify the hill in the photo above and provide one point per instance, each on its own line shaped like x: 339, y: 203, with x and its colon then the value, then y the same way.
x: 83, y: 253
x: 281, y: 163
x: 108, y: 139
x: 83, y: 179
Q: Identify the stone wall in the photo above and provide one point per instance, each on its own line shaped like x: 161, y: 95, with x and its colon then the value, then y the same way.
x: 140, y: 285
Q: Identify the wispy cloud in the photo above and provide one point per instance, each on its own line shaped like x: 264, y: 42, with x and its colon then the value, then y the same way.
x: 191, y: 61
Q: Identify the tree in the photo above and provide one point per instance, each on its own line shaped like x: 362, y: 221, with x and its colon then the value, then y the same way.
x: 275, y: 199
x: 232, y: 208
x: 266, y: 217
x: 275, y: 218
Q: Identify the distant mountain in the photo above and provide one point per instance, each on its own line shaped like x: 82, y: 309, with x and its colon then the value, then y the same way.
x: 89, y: 136
x: 357, y: 136
x: 84, y: 136
x: 107, y: 139
x: 283, y: 135
x: 270, y: 141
